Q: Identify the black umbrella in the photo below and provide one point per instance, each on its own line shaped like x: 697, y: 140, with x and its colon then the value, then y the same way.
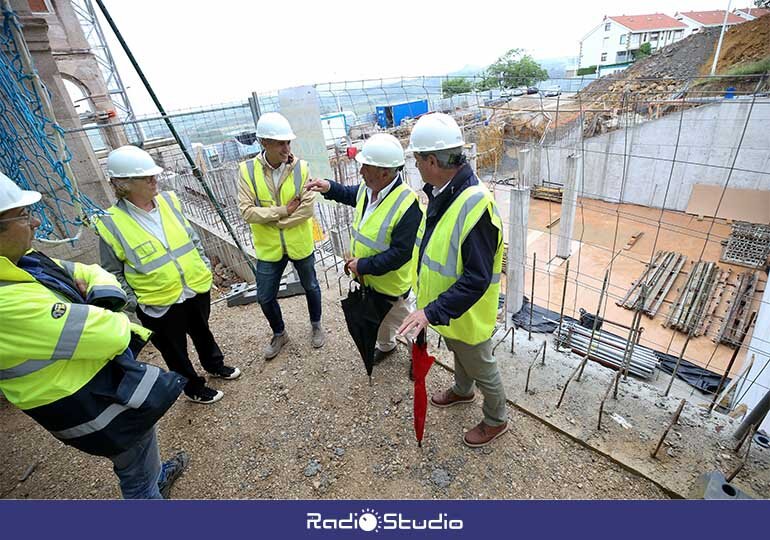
x: 364, y: 310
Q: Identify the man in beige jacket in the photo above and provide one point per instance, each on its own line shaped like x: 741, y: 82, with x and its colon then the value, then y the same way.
x: 273, y: 201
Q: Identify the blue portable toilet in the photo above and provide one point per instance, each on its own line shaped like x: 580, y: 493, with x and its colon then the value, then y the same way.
x: 393, y: 114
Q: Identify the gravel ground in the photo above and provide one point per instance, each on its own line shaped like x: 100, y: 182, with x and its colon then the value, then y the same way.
x: 308, y: 425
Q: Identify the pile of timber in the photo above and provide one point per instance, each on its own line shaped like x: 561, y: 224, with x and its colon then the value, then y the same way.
x: 689, y: 309
x: 658, y: 278
x: 736, y: 321
x: 547, y: 193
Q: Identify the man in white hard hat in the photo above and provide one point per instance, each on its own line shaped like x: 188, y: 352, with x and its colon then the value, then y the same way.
x: 458, y: 272
x: 384, y: 228
x: 65, y: 358
x: 152, y: 249
x: 273, y: 201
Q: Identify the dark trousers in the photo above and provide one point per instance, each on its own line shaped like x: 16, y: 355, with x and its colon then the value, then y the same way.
x: 170, y: 332
x: 268, y: 280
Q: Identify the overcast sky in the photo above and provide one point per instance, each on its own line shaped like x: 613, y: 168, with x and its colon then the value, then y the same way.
x: 198, y: 54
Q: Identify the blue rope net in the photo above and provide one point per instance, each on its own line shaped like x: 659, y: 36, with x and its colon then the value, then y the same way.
x: 32, y: 149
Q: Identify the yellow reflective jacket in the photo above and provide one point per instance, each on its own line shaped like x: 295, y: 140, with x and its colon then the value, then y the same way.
x: 373, y: 237
x: 155, y: 273
x: 67, y: 364
x: 272, y: 242
x: 442, y: 265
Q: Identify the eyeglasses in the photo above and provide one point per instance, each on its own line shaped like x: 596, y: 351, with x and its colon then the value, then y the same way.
x: 25, y: 215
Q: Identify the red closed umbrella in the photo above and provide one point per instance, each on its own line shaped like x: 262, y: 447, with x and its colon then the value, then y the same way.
x: 421, y: 363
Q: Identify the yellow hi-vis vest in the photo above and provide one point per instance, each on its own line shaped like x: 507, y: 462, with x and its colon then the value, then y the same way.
x: 156, y: 274
x: 49, y: 347
x: 373, y: 237
x: 441, y: 264
x: 270, y: 242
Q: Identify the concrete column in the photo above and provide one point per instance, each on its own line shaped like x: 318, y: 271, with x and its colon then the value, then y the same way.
x: 757, y: 381
x: 572, y: 180
x: 518, y: 218
x: 525, y: 167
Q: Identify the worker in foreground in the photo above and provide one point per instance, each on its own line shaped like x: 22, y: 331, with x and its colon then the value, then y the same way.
x: 152, y: 249
x: 460, y: 245
x: 384, y: 229
x: 65, y: 358
x: 273, y: 201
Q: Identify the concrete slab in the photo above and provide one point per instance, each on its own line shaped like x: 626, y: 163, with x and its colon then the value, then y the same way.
x: 632, y: 424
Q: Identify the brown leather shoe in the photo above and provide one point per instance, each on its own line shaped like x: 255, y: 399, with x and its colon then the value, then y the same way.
x: 483, y: 434
x: 447, y: 398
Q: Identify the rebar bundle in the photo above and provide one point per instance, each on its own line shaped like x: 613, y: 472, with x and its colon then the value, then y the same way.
x: 608, y: 349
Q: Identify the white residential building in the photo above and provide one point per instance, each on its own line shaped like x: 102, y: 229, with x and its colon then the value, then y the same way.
x: 697, y: 20
x: 618, y: 38
x: 751, y: 13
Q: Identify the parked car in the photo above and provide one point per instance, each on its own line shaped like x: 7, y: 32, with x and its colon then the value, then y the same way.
x: 532, y: 90
x: 514, y: 92
x: 552, y: 91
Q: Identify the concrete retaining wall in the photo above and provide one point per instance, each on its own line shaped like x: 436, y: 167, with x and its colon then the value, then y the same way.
x: 710, y: 136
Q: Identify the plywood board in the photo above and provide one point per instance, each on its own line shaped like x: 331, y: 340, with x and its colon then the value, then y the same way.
x: 750, y: 205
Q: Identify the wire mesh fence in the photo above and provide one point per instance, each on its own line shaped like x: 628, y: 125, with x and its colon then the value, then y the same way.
x: 644, y: 144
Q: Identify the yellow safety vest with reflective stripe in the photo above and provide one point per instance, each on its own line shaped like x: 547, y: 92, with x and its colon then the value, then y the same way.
x: 373, y: 237
x: 270, y: 242
x: 49, y: 347
x: 442, y: 265
x: 156, y: 274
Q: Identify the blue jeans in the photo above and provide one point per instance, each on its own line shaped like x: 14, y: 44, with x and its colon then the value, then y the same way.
x: 268, y: 280
x: 139, y: 468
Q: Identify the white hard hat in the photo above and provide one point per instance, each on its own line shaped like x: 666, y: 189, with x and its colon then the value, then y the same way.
x: 381, y: 150
x: 435, y: 131
x: 131, y: 162
x: 274, y: 126
x: 12, y: 196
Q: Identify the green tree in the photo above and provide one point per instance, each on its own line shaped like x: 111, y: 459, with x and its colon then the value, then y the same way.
x: 513, y: 69
x: 645, y: 49
x: 454, y: 86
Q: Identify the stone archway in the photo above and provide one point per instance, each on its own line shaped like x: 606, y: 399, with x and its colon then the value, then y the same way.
x: 82, y: 75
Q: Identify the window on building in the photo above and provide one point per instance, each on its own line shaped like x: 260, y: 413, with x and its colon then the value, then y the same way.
x: 623, y: 39
x: 605, y: 43
x: 654, y: 36
x: 40, y: 6
x: 607, y: 27
x: 678, y: 34
x: 604, y: 57
x: 621, y: 55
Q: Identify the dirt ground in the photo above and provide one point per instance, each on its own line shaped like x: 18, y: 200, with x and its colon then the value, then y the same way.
x: 744, y: 43
x: 308, y: 425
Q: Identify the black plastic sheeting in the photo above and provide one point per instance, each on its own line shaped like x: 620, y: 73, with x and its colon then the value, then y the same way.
x: 545, y: 321
x: 704, y: 380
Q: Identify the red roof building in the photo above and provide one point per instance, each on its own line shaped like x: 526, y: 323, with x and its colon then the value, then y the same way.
x: 696, y: 20
x: 653, y: 21
x: 751, y: 13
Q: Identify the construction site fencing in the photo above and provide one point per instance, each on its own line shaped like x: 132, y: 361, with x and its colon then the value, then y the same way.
x: 564, y: 117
